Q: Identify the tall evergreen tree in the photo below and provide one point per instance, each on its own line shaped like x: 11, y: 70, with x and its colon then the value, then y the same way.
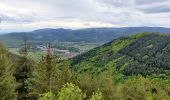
x: 46, y: 74
x: 7, y: 81
x: 23, y: 71
x: 65, y: 75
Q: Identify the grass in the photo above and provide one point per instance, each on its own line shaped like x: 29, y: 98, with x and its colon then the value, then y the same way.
x: 32, y: 55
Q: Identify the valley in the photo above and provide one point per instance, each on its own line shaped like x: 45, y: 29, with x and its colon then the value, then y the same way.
x: 69, y: 43
x: 135, y: 66
x: 64, y: 50
x: 84, y: 50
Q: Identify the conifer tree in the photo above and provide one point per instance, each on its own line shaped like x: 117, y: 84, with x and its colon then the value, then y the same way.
x: 7, y: 81
x: 65, y: 75
x: 23, y: 71
x: 46, y: 74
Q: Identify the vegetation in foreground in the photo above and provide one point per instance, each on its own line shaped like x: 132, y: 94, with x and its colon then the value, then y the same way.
x: 52, y: 79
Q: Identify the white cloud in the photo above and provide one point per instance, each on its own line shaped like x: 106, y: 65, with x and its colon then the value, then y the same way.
x: 19, y: 15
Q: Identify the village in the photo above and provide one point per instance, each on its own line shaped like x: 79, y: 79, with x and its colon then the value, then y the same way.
x: 60, y: 52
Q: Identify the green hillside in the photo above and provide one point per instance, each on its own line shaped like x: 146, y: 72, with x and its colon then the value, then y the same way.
x: 50, y: 77
x: 144, y: 54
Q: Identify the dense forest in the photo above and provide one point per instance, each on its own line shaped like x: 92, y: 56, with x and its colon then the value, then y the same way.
x: 129, y: 68
x: 144, y: 54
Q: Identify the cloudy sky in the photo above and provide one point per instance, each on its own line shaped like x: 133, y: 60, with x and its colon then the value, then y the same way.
x: 26, y: 15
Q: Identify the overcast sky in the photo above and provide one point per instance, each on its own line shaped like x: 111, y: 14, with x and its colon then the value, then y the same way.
x: 25, y: 15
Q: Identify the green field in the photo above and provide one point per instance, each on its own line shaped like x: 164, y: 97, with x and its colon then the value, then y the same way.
x: 32, y: 55
x: 72, y: 47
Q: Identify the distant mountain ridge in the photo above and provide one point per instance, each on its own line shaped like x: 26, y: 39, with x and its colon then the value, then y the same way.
x: 91, y: 35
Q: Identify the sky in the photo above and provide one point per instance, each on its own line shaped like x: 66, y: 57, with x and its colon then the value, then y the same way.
x: 26, y: 15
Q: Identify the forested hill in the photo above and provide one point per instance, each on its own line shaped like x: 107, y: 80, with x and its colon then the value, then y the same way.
x: 143, y: 53
x: 99, y: 35
x: 51, y: 78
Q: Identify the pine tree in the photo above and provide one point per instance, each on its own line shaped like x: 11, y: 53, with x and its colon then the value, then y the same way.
x: 46, y: 74
x: 23, y: 72
x: 7, y: 81
x: 65, y: 75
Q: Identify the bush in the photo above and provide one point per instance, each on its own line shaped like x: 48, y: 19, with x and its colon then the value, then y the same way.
x: 47, y: 96
x: 97, y: 96
x: 70, y: 92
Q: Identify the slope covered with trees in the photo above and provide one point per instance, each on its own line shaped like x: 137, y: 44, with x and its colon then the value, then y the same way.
x: 7, y: 80
x: 144, y: 53
x: 96, y: 75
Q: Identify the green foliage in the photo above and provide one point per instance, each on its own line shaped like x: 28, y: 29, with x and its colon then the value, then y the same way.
x: 65, y: 75
x: 109, y: 72
x: 71, y: 49
x: 100, y: 56
x: 47, y: 96
x: 120, y: 44
x: 97, y: 96
x: 139, y: 35
x: 70, y: 92
x: 144, y: 54
x: 23, y: 71
x: 49, y: 75
x: 45, y: 76
x: 7, y: 81
x: 139, y: 88
x: 107, y: 84
x: 87, y: 83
